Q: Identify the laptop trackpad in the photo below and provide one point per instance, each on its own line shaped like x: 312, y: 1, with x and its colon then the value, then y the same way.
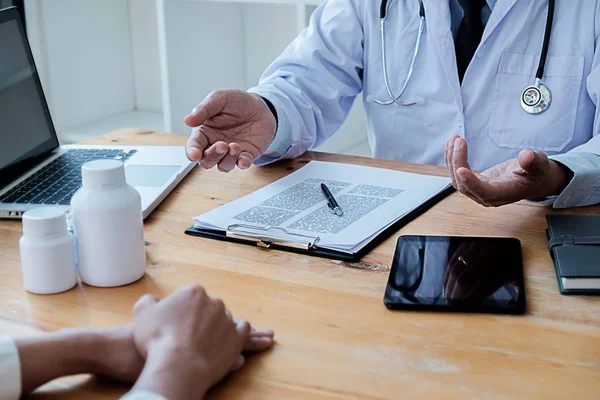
x: 150, y: 175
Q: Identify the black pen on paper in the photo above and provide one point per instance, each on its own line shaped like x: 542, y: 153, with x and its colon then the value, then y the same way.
x: 333, y: 205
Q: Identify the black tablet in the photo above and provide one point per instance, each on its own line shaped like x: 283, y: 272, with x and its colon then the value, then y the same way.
x: 467, y: 274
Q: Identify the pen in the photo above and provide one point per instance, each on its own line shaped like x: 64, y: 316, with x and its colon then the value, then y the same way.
x: 333, y: 205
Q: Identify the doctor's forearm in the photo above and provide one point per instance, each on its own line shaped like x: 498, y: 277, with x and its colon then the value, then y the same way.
x: 584, y: 187
x: 561, y: 177
x: 283, y: 139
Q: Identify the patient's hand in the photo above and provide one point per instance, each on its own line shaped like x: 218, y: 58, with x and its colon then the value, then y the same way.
x: 191, y: 342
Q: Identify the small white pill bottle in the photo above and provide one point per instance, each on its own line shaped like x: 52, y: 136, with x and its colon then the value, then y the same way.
x: 47, y: 251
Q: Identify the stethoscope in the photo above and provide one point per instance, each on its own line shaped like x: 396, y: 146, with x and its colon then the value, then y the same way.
x: 535, y: 98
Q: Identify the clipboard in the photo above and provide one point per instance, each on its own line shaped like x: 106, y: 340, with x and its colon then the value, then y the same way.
x: 277, y: 238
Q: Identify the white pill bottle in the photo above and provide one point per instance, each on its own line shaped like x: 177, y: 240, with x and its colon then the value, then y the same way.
x: 47, y: 253
x: 108, y: 226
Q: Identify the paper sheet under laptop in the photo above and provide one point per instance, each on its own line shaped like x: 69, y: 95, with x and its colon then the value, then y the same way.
x: 372, y: 200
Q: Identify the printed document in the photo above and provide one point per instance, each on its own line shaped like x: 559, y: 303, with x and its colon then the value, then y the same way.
x: 371, y: 198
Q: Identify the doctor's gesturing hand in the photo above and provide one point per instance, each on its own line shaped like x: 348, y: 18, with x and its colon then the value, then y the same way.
x: 531, y: 175
x: 229, y: 128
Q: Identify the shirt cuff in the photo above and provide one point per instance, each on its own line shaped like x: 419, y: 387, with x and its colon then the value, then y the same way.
x: 584, y: 188
x: 10, y: 370
x: 142, y: 395
x: 283, y: 140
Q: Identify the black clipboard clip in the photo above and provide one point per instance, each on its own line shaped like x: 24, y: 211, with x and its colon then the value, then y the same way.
x: 266, y: 236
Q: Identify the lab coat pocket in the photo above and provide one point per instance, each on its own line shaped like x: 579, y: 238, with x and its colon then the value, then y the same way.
x: 552, y: 130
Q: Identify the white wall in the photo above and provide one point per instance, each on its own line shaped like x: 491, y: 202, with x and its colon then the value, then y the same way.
x: 268, y: 29
x: 37, y: 42
x: 146, y: 64
x: 205, y: 52
x: 87, y: 59
x: 109, y: 58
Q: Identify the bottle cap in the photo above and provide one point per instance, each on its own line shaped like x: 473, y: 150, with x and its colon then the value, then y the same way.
x: 45, y: 221
x: 101, y: 174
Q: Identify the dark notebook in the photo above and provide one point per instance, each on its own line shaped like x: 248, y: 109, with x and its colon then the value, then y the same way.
x: 574, y: 244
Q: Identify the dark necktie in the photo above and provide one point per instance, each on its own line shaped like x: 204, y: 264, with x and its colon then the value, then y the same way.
x: 469, y: 34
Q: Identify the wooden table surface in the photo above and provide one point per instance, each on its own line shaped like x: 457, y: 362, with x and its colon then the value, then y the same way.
x: 335, y: 339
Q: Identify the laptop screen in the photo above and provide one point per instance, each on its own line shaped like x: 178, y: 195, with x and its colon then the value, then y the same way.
x: 26, y: 130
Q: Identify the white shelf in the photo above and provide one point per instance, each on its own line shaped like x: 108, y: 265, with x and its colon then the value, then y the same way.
x: 134, y: 119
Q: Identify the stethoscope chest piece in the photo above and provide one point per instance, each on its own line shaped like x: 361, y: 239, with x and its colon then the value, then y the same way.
x: 536, y: 99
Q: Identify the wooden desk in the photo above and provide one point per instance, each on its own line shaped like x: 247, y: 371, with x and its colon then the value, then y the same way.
x: 335, y: 339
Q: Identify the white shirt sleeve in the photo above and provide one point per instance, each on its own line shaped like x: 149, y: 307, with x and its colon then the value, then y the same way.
x: 142, y: 395
x: 10, y: 370
x: 281, y: 144
x: 584, y: 188
x: 314, y: 82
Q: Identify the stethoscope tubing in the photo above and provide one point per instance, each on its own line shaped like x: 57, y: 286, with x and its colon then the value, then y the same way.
x: 546, y: 44
x: 383, y: 11
x: 395, y: 99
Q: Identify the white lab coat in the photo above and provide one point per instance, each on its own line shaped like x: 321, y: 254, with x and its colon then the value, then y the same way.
x: 315, y: 81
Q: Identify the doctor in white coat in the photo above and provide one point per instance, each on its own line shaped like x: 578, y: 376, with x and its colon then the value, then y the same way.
x: 474, y: 98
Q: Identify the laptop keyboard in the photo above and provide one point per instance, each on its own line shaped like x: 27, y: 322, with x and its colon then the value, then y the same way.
x: 58, y: 181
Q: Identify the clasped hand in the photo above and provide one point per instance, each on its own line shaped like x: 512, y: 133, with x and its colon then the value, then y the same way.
x: 190, y: 342
x: 177, y: 347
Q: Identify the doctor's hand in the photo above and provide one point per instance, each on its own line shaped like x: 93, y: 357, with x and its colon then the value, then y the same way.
x: 531, y: 175
x: 229, y: 128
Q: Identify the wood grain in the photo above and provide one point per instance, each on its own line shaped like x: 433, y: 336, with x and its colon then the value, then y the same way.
x: 335, y: 339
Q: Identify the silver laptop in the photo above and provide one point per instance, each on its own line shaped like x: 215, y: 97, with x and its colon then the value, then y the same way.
x: 34, y: 169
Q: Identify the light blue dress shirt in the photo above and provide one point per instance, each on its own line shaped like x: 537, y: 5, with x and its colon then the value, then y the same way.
x: 315, y: 81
